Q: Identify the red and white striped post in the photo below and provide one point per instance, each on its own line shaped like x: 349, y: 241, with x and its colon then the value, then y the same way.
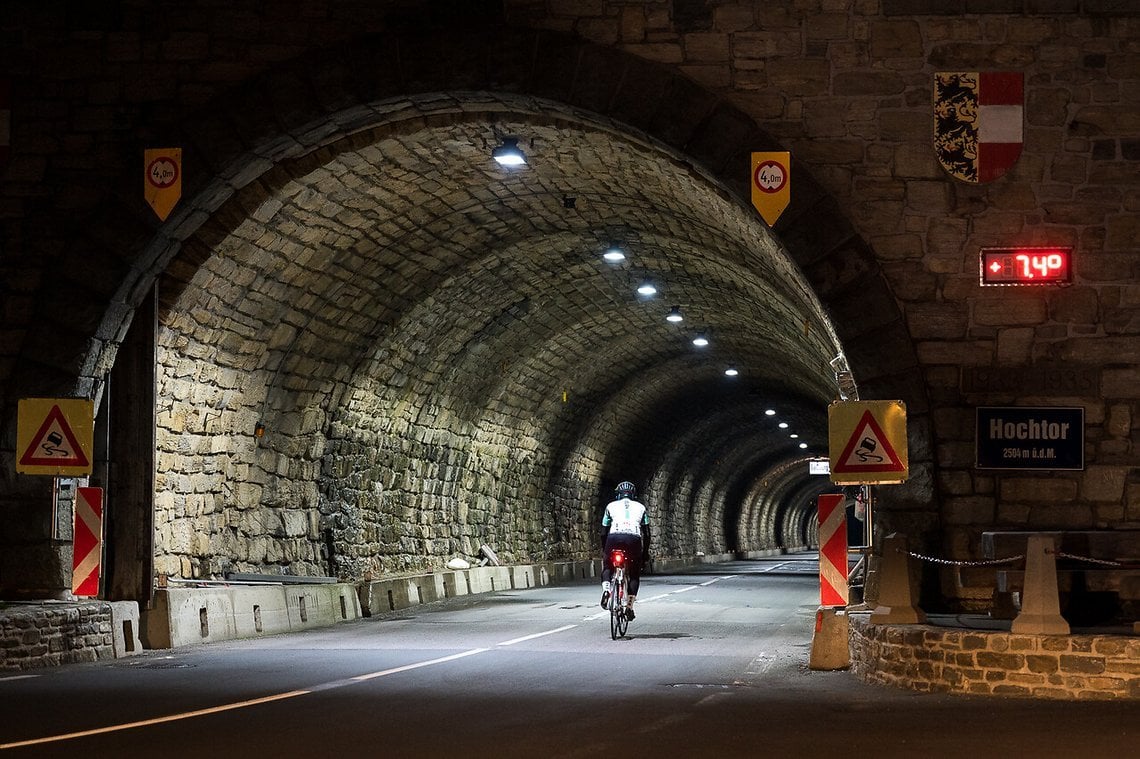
x: 832, y: 550
x: 87, y: 545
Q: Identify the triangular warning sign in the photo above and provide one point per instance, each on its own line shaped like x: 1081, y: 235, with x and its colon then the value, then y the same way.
x: 54, y: 444
x: 868, y: 450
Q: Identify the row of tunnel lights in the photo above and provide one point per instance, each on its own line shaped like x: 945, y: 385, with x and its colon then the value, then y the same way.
x: 615, y: 255
x: 509, y: 154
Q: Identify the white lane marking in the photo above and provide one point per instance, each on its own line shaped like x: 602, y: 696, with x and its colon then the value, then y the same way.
x: 240, y: 704
x: 17, y: 677
x: 537, y: 635
x: 417, y: 665
x: 666, y: 594
x: 759, y: 666
x: 155, y: 721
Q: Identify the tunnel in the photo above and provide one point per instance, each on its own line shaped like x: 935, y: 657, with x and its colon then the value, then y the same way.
x: 360, y: 347
x: 435, y: 355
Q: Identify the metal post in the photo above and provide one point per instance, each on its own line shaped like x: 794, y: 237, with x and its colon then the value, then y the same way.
x: 868, y: 529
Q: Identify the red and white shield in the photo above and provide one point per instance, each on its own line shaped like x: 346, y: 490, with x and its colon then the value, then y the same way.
x: 978, y: 123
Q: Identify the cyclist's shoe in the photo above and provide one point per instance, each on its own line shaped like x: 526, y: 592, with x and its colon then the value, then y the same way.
x: 605, y: 599
x: 629, y: 613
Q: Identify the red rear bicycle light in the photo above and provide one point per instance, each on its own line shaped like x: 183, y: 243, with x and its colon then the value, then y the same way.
x: 617, y: 558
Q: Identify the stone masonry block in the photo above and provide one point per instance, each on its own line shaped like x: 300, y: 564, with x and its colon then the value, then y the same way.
x: 1091, y: 665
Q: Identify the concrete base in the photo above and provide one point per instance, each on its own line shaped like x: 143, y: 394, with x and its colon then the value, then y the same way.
x: 125, y: 628
x: 829, y: 645
x: 897, y: 597
x: 1040, y: 600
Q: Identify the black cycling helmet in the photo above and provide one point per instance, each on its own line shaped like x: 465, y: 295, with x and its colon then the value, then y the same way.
x: 625, y: 489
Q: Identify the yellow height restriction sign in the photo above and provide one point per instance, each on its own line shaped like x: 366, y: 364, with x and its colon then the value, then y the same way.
x: 162, y: 179
x: 54, y: 436
x: 867, y: 442
x: 771, y: 184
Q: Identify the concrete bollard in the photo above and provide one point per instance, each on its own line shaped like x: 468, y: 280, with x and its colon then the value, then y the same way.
x: 897, y: 604
x: 829, y: 645
x: 1040, y: 599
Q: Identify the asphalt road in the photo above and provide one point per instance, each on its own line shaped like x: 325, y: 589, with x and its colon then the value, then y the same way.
x: 714, y: 665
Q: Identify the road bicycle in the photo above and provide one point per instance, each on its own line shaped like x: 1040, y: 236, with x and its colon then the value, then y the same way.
x: 619, y: 587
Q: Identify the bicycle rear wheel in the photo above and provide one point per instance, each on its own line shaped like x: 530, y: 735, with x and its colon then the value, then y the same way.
x: 622, y: 617
x: 617, y: 612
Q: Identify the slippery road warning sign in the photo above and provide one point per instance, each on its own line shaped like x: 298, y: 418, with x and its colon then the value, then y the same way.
x: 867, y: 442
x: 54, y: 436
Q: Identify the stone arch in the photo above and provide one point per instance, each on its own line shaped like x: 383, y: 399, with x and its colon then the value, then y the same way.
x: 548, y: 76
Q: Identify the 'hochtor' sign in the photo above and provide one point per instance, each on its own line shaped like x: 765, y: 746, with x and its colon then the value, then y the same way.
x: 1030, y: 438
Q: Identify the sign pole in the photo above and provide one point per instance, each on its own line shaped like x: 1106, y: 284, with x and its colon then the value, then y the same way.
x: 868, y: 528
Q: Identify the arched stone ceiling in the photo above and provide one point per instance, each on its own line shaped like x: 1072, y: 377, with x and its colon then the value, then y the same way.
x: 402, y: 259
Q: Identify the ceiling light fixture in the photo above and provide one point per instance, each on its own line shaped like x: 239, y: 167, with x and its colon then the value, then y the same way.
x: 803, y: 445
x: 613, y: 255
x: 783, y: 425
x: 646, y: 288
x: 770, y: 412
x: 508, y: 153
x: 731, y: 372
x: 675, y: 315
x: 700, y: 340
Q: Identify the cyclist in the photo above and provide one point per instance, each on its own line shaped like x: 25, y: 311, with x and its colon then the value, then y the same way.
x: 625, y: 526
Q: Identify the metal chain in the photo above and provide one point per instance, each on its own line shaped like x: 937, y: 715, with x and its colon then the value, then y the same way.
x: 1007, y: 560
x: 1103, y: 562
x: 948, y: 562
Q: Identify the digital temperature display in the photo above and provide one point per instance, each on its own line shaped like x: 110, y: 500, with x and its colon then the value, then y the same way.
x: 1026, y: 266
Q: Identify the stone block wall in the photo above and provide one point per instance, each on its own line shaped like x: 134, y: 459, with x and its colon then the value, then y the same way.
x: 981, y: 662
x: 49, y: 635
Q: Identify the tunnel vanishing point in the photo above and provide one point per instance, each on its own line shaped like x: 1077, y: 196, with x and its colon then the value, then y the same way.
x: 360, y: 347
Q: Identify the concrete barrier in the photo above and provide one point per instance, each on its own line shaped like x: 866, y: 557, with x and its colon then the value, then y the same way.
x: 210, y: 612
x: 393, y: 594
x: 183, y: 616
x: 125, y: 628
x: 829, y: 644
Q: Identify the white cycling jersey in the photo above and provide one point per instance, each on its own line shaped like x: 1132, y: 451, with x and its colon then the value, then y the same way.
x: 625, y: 515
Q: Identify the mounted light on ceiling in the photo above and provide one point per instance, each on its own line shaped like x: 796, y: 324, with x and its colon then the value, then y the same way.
x: 613, y: 255
x: 508, y: 153
x: 731, y: 372
x: 647, y: 288
x: 675, y: 315
x: 701, y: 340
x: 770, y: 412
x: 803, y: 445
